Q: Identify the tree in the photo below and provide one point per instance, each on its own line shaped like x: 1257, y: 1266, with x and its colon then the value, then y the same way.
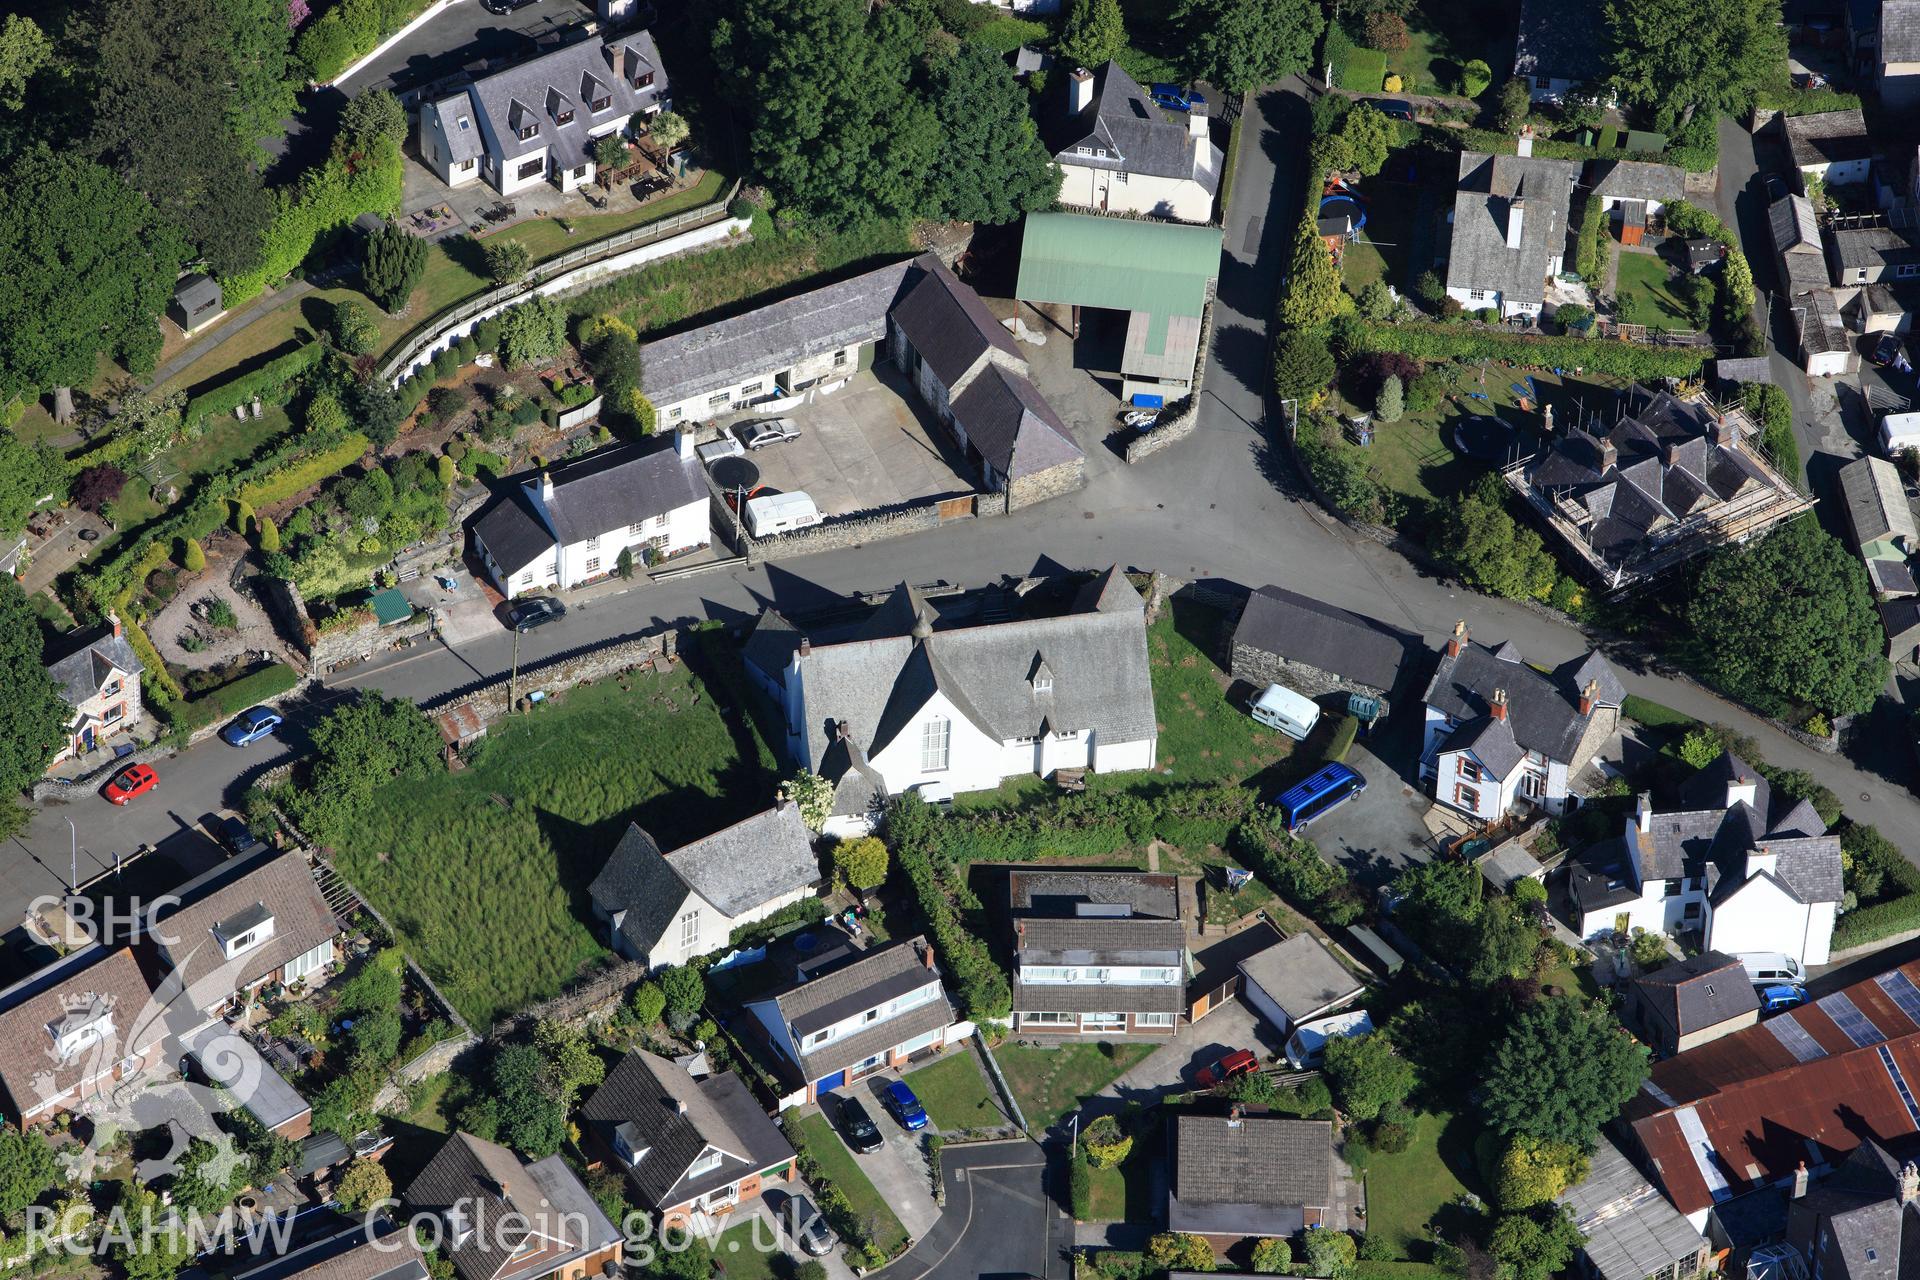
x: 376, y: 1035
x: 1534, y: 1246
x: 27, y: 1170
x: 1303, y: 365
x: 29, y: 475
x: 814, y: 795
x: 533, y: 331
x: 623, y: 564
x: 1272, y: 1257
x: 267, y: 534
x: 361, y: 745
x: 1310, y: 296
x: 24, y: 49
x: 33, y: 715
x: 353, y: 328
x: 649, y: 1003
x: 1366, y: 1074
x: 1094, y: 32
x: 610, y: 152
x: 1375, y: 301
x: 363, y: 1185
x: 1535, y: 1170
x: 1384, y: 30
x: 210, y: 1177
x: 532, y: 1119
x: 1516, y: 99
x: 506, y: 260
x: 259, y: 45
x: 89, y: 267
x: 1391, y: 403
x: 1180, y: 1251
x: 1563, y: 1069
x: 685, y: 991
x: 571, y: 1062
x: 993, y: 168
x: 668, y: 129
x: 373, y: 117
x: 1367, y: 136
x: 1475, y: 76
x: 862, y: 861
x: 1789, y: 620
x: 373, y: 405
x: 154, y: 1245
x: 1242, y: 44
x: 1687, y: 55
x: 394, y: 263
x: 1478, y: 540
x: 1330, y: 1253
x: 1506, y: 944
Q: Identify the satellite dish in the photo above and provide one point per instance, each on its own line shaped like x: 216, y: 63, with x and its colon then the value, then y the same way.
x: 735, y: 473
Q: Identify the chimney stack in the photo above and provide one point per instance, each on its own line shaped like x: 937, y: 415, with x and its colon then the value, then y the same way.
x: 1742, y: 790
x: 1525, y: 146
x: 683, y: 444
x: 1909, y: 1182
x: 1643, y: 812
x: 114, y: 618
x: 1546, y: 418
x: 1609, y: 454
x: 546, y: 487
x: 1589, y: 696
x: 806, y: 647
x: 1516, y: 219
x: 926, y: 954
x: 1499, y: 708
x: 1458, y: 638
x: 1079, y: 90
x: 1800, y: 1179
x: 1234, y: 1115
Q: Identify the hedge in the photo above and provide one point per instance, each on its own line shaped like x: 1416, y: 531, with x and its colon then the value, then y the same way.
x: 156, y: 670
x: 250, y: 690
x: 1089, y: 824
x: 1769, y: 405
x: 1653, y: 714
x: 290, y: 480
x: 1295, y: 870
x: 330, y: 196
x: 1345, y: 730
x: 114, y: 450
x: 985, y: 995
x: 1437, y: 341
x: 267, y: 381
x: 1894, y: 915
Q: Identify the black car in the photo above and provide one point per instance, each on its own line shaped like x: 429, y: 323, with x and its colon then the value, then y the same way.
x: 1886, y: 350
x: 536, y: 612
x: 504, y: 7
x: 235, y: 835
x: 1397, y: 108
x: 862, y: 1134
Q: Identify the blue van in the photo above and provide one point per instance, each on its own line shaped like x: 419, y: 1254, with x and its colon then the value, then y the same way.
x: 1324, y: 792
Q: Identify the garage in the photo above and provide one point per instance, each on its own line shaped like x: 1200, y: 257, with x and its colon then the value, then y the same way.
x: 1296, y: 980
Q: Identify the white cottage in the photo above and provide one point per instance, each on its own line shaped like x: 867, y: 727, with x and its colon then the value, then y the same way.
x: 1120, y: 152
x: 1745, y: 869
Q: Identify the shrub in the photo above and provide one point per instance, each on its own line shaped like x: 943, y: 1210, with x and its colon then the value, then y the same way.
x: 1106, y: 1143
x: 290, y: 479
x: 192, y: 558
x: 268, y: 535
x: 1475, y: 77
x: 1080, y: 1186
x: 1384, y: 29
x: 1454, y: 342
x: 1272, y: 1257
x: 1180, y: 1251
x: 1345, y: 730
x: 506, y: 260
x: 861, y: 862
x: 1391, y: 404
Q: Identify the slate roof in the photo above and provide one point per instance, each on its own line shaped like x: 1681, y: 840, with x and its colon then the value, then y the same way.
x: 1490, y: 189
x: 1063, y: 997
x: 770, y: 338
x: 736, y: 869
x: 1854, y: 1223
x: 613, y: 488
x: 195, y: 291
x: 1636, y: 180
x: 1490, y: 739
x: 1750, y: 1106
x: 90, y: 660
x: 229, y: 900
x: 1899, y: 31
x: 1796, y: 239
x: 1699, y: 992
x: 1301, y: 976
x: 536, y: 91
x: 1631, y: 1230
x: 1828, y: 137
x: 353, y: 1254
x: 675, y: 1117
x: 1013, y: 426
x: 770, y: 646
x: 1309, y: 631
x: 1892, y: 578
x: 881, y: 975
x: 1057, y: 891
x: 1542, y: 709
x: 1097, y: 654
x: 1876, y: 248
x: 491, y: 1185
x: 1877, y: 504
x: 513, y: 530
x: 949, y: 325
x: 462, y: 144
x: 1562, y: 39
x: 1901, y: 619
x: 1252, y: 1176
x: 1137, y: 136
x: 91, y: 979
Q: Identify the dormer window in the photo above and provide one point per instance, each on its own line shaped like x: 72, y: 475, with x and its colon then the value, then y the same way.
x: 565, y: 117
x: 241, y: 933
x: 1042, y: 678
x: 643, y: 80
x: 601, y: 104
x: 82, y: 1026
x: 628, y: 1146
x: 530, y: 131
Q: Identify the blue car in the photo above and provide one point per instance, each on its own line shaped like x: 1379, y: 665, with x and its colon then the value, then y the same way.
x: 1782, y: 995
x: 1174, y: 98
x: 252, y: 725
x: 905, y: 1107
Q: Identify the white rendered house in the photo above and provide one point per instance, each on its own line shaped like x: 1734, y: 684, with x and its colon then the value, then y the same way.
x: 1509, y: 232
x: 1119, y: 152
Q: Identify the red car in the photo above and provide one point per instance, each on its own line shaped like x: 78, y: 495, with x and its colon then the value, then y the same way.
x: 1234, y: 1065
x: 135, y: 780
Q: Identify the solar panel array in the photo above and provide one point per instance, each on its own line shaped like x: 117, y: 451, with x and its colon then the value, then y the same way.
x: 1900, y: 1084
x: 1847, y: 1016
x: 1802, y: 1046
x: 1901, y: 990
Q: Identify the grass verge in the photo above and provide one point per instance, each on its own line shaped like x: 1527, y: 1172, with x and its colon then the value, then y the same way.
x: 845, y: 1173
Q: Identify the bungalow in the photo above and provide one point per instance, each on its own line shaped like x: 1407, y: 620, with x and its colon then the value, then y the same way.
x: 98, y: 675
x: 867, y: 1015
x: 1691, y: 1002
x: 358, y: 1252
x: 1874, y: 248
x: 252, y: 921
x: 569, y: 525
x: 503, y: 1219
x: 1744, y: 868
x: 1509, y: 229
x: 1560, y: 49
x: 690, y: 1148
x: 1120, y: 152
x: 71, y: 1030
x: 1633, y: 191
x: 1314, y: 648
x: 1249, y: 1175
x: 539, y: 121
x: 667, y: 908
x: 1099, y: 954
x: 1832, y: 146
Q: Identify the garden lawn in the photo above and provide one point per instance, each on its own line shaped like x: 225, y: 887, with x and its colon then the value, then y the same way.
x: 1442, y: 38
x: 483, y: 872
x: 225, y: 442
x: 955, y: 1093
x: 1404, y: 1191
x: 1380, y: 250
x: 1365, y: 72
x: 1049, y: 1084
x: 1646, y: 295
x: 845, y: 1173
x: 1124, y: 1192
x: 1203, y: 736
x: 425, y: 1112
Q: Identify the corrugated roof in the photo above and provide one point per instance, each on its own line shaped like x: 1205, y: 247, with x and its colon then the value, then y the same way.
x: 1877, y: 504
x: 1118, y: 264
x: 1631, y: 1230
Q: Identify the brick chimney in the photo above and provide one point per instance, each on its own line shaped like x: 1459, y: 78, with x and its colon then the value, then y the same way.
x: 1609, y: 454
x: 926, y: 954
x: 114, y: 618
x: 1722, y: 432
x: 1589, y: 696
x: 1498, y: 709
x: 1458, y: 638
x: 806, y: 647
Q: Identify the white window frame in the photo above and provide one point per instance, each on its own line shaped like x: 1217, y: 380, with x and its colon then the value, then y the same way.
x: 1152, y: 1019
x: 936, y: 745
x: 689, y: 928
x: 1103, y: 1022
x: 593, y: 564
x: 1040, y: 1019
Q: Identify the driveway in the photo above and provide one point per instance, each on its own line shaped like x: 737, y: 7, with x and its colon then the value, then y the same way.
x: 1170, y: 1068
x: 898, y: 1170
x: 462, y: 34
x: 1379, y: 833
x: 999, y: 1222
x: 770, y: 1234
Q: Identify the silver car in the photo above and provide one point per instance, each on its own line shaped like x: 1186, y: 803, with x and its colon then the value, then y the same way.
x: 758, y: 435
x: 809, y: 1227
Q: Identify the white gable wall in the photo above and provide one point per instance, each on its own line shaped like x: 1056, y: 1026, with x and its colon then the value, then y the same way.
x: 712, y: 928
x: 973, y: 758
x: 1117, y: 757
x: 1762, y: 916
x: 1117, y: 191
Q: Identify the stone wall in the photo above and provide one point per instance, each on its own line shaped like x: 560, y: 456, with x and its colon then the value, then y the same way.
x: 598, y: 996
x: 488, y: 702
x: 1183, y: 423
x: 1054, y: 482
x: 289, y: 610
x: 1260, y: 668
x: 356, y: 644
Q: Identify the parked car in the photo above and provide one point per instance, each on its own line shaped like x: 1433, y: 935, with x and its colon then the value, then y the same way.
x: 809, y: 1227
x: 758, y: 435
x: 861, y: 1133
x: 252, y: 725
x: 501, y: 8
x: 1397, y: 108
x: 134, y: 780
x: 1887, y: 351
x: 1232, y: 1067
x: 235, y: 835
x: 537, y: 612
x: 905, y: 1107
x: 1781, y: 995
x: 1175, y: 98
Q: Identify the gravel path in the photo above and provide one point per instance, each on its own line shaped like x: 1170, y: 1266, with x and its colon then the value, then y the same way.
x: 184, y: 616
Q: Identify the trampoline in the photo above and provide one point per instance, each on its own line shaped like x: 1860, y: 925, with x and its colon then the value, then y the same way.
x: 1344, y: 203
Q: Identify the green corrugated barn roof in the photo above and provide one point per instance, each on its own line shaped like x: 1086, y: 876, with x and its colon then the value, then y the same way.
x: 389, y: 607
x: 1118, y: 264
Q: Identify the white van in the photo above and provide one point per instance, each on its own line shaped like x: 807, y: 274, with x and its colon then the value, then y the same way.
x: 780, y: 513
x: 1771, y: 966
x: 1899, y: 432
x: 1308, y: 1043
x: 1291, y: 713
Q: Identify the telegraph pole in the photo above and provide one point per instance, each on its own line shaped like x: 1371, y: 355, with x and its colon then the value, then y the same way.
x: 513, y: 675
